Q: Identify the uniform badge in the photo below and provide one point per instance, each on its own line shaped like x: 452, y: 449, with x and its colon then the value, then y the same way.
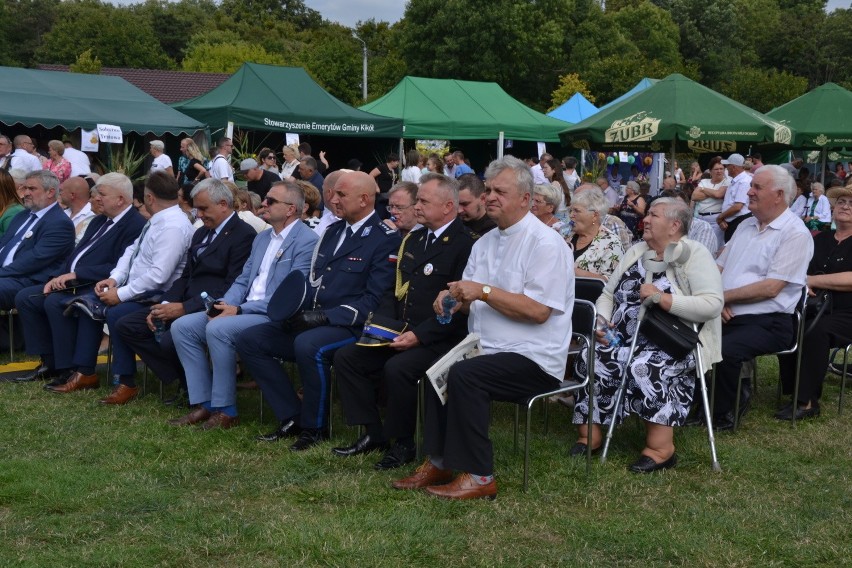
x: 427, y: 270
x: 366, y: 231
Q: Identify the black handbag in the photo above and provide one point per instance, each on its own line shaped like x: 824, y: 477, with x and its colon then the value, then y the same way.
x: 669, y: 332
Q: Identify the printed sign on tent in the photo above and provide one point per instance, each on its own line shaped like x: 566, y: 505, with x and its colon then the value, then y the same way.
x: 110, y: 133
x: 88, y: 140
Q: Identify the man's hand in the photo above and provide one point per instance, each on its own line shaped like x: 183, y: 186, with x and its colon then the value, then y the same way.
x: 438, y: 306
x: 306, y: 320
x: 465, y: 291
x: 168, y: 312
x: 107, y: 283
x: 405, y: 341
x: 726, y: 314
x: 59, y: 283
x: 108, y: 296
x: 227, y: 310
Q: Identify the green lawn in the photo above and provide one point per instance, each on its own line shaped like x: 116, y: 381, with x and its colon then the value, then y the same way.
x: 82, y: 485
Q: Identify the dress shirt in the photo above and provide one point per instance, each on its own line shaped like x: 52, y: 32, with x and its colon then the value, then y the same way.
x: 257, y: 291
x: 737, y: 193
x: 23, y: 160
x: 355, y: 228
x: 161, y: 257
x: 80, y: 164
x: 510, y: 259
x: 781, y: 251
x: 327, y: 219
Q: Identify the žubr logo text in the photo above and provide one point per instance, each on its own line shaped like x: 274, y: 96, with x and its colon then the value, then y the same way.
x: 636, y: 128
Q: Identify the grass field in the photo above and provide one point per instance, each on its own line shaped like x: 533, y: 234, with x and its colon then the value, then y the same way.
x: 82, y: 485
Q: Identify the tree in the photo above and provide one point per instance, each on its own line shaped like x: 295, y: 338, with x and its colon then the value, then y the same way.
x: 116, y: 36
x: 763, y: 89
x: 569, y: 85
x: 294, y: 12
x: 23, y: 24
x: 173, y: 23
x: 387, y: 66
x: 86, y: 64
x: 226, y: 57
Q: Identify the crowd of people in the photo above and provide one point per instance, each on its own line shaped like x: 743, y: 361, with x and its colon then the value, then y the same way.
x: 350, y: 269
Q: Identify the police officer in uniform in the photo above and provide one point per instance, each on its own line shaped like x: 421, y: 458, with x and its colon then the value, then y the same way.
x: 352, y: 268
x: 429, y: 258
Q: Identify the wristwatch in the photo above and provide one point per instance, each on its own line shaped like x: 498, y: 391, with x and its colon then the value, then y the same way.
x: 485, y: 291
x: 657, y: 297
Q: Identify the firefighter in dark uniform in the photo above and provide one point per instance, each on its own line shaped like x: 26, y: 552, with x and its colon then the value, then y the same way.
x: 429, y: 258
x: 352, y: 269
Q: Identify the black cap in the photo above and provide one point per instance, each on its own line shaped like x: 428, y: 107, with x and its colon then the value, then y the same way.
x: 380, y: 331
x: 288, y: 298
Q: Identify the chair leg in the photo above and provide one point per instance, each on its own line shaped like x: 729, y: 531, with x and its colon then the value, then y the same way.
x: 843, y: 378
x: 517, y: 426
x: 419, y: 418
x: 737, y: 403
x: 526, y: 443
x: 144, y: 379
x: 11, y: 337
x: 260, y: 412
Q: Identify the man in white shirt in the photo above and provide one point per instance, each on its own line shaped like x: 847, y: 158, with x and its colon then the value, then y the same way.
x: 74, y: 196
x: 147, y: 268
x: 161, y: 162
x: 610, y: 193
x: 735, y: 205
x: 764, y: 267
x: 221, y: 168
x: 522, y: 315
x: 21, y: 157
x: 80, y: 164
x: 285, y: 247
x: 328, y: 213
x: 537, y: 173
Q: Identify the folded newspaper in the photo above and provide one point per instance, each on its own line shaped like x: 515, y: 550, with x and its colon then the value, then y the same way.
x: 437, y: 373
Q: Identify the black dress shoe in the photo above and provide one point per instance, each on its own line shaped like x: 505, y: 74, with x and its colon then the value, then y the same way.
x: 287, y: 429
x: 786, y: 413
x: 646, y: 465
x: 41, y: 373
x: 179, y: 400
x: 363, y: 445
x: 309, y: 438
x: 58, y: 380
x: 397, y: 456
x: 578, y: 450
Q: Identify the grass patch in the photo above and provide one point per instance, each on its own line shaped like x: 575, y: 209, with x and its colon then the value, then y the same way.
x: 85, y: 485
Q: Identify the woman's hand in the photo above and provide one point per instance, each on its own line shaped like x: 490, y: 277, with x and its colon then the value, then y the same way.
x: 648, y: 290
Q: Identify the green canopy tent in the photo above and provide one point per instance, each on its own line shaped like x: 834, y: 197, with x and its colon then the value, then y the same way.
x: 678, y: 114
x: 270, y: 97
x: 820, y: 119
x: 72, y: 100
x: 463, y: 110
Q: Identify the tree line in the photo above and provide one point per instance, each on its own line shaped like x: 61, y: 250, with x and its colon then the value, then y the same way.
x: 761, y: 53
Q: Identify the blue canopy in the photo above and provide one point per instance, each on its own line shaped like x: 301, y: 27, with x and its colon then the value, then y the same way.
x: 640, y: 86
x: 574, y: 109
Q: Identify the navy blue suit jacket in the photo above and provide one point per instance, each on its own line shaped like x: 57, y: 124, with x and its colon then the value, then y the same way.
x: 96, y: 263
x: 216, y: 267
x: 354, y: 278
x: 41, y: 255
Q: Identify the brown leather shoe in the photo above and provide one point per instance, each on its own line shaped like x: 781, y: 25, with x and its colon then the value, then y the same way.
x: 424, y: 476
x: 464, y: 487
x: 196, y: 415
x: 220, y: 420
x: 78, y: 381
x: 122, y: 394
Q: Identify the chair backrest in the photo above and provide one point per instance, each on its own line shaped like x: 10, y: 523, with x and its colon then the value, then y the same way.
x: 588, y: 289
x: 583, y: 319
x: 799, y: 320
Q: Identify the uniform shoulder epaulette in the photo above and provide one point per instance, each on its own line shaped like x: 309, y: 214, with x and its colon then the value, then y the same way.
x: 388, y: 229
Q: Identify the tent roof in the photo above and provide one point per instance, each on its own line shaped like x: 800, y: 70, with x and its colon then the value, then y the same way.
x: 73, y: 100
x: 463, y: 110
x: 575, y: 109
x: 271, y: 97
x: 821, y: 118
x: 643, y: 84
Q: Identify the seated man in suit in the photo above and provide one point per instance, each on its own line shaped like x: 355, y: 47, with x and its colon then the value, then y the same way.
x: 430, y: 257
x: 285, y: 247
x: 352, y: 268
x: 211, y: 266
x: 147, y: 268
x: 38, y: 239
x: 100, y: 247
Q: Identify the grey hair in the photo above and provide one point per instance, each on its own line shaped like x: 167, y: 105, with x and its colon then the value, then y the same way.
x: 47, y: 178
x: 781, y: 179
x: 633, y: 185
x: 405, y: 187
x: 523, y: 176
x: 551, y: 195
x: 677, y: 210
x: 216, y: 191
x: 447, y: 184
x: 295, y: 194
x: 117, y: 181
x: 592, y: 199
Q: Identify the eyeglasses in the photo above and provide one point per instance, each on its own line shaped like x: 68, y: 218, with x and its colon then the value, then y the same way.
x: 273, y: 201
x: 269, y: 157
x: 391, y: 208
x: 843, y: 203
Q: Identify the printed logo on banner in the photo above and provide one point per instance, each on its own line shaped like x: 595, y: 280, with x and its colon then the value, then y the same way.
x: 635, y: 128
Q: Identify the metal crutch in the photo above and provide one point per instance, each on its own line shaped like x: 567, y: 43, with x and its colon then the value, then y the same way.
x: 699, y: 370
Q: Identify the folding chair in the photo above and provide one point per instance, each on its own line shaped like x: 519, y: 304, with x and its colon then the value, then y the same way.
x: 10, y: 315
x: 588, y: 289
x: 708, y: 416
x: 583, y: 331
x: 842, y: 371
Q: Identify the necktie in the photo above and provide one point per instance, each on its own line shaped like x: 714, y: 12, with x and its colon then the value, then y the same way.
x: 346, y: 236
x: 199, y: 248
x: 429, y: 240
x: 138, y: 245
x: 19, y: 236
x: 100, y: 232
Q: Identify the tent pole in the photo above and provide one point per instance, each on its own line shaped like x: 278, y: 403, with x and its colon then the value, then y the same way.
x: 401, y: 154
x: 671, y: 165
x: 500, y: 141
x: 822, y: 172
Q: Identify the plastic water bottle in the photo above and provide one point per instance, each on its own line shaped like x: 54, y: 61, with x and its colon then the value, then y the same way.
x: 611, y: 336
x: 159, y: 329
x: 448, y: 303
x: 210, y: 305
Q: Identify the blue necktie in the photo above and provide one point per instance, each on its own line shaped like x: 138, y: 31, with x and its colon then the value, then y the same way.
x: 19, y: 236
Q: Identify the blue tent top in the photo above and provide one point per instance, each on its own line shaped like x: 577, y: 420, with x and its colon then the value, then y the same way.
x: 640, y: 86
x: 574, y: 109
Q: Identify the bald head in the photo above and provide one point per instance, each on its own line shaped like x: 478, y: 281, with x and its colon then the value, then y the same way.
x: 354, y: 196
x: 584, y: 186
x: 329, y: 183
x: 74, y: 193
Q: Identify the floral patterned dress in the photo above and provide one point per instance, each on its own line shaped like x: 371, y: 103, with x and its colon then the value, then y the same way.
x: 660, y: 388
x: 602, y: 255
